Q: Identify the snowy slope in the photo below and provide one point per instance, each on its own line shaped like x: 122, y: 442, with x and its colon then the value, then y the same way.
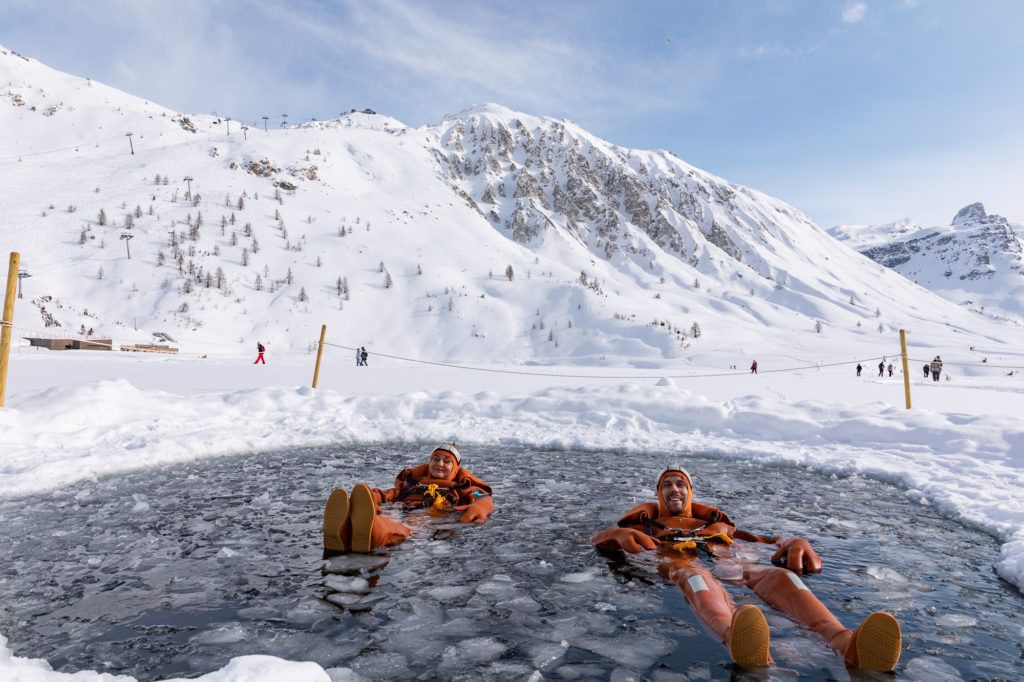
x: 977, y: 261
x: 612, y: 251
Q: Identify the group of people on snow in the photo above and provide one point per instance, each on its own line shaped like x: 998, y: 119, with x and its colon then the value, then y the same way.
x: 361, y: 356
x: 685, y: 534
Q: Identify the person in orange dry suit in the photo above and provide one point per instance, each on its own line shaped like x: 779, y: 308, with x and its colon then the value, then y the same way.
x: 680, y: 526
x: 353, y: 522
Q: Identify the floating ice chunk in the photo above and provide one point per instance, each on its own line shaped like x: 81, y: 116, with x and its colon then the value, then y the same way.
x: 444, y: 593
x: 930, y: 669
x: 340, y: 583
x: 887, y: 574
x: 261, y: 500
x: 958, y: 620
x: 475, y: 650
x: 229, y: 633
x: 345, y: 675
x: 354, y: 563
x: 227, y: 553
x: 635, y: 651
x: 382, y: 666
x: 579, y: 577
x: 623, y: 675
x: 343, y: 598
x: 548, y: 654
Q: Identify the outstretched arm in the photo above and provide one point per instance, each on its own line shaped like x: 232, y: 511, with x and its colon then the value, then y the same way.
x: 793, y: 553
x: 632, y: 541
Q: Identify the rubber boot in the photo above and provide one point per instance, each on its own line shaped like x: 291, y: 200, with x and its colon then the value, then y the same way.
x: 335, y: 516
x: 748, y: 637
x: 362, y: 515
x: 744, y: 631
x: 367, y: 528
x: 876, y: 644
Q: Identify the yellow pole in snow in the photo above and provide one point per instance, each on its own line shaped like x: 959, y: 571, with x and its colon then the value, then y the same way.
x: 319, y: 352
x: 8, y: 320
x: 906, y: 367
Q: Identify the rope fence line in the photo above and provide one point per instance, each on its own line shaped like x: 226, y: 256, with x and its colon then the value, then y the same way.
x: 111, y: 345
x: 660, y: 375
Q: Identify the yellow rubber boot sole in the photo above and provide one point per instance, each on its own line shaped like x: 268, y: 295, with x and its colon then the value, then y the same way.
x: 335, y: 514
x: 878, y: 642
x: 363, y: 511
x: 748, y: 638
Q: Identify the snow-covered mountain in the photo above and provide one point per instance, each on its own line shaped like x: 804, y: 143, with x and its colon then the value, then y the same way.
x: 493, y: 235
x: 977, y: 261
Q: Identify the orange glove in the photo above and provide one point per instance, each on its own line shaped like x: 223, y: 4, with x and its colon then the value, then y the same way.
x: 797, y: 555
x: 632, y: 541
x: 476, y: 511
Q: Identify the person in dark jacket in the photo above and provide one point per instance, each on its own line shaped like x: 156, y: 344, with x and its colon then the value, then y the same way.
x: 881, y: 368
x: 936, y: 366
x: 677, y: 527
x: 259, y: 350
x: 859, y: 368
x: 363, y: 355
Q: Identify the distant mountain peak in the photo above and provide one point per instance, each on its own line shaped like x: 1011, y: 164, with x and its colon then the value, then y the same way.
x: 970, y: 214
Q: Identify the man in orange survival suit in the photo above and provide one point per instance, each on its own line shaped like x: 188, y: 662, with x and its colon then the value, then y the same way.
x: 875, y: 645
x: 354, y: 522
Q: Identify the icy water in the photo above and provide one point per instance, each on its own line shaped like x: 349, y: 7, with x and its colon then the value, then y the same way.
x: 174, y: 571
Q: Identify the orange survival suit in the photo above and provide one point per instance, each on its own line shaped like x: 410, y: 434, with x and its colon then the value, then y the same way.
x: 650, y: 525
x: 462, y: 491
x: 354, y: 523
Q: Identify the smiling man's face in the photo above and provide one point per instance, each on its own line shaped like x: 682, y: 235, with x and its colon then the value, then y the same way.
x: 674, y: 490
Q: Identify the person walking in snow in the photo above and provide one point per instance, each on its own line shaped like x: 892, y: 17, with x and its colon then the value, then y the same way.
x: 363, y: 355
x: 859, y: 368
x: 753, y: 367
x: 260, y: 349
x: 927, y: 370
x: 890, y: 369
x: 881, y: 368
x: 359, y: 357
x: 936, y: 368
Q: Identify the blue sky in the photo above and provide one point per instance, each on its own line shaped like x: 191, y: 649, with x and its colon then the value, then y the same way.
x: 854, y: 111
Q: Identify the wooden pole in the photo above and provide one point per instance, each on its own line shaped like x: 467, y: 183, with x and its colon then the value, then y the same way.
x: 8, y: 320
x: 906, y: 367
x: 319, y: 353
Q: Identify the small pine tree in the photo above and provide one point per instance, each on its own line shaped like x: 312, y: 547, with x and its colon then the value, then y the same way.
x: 102, y: 217
x: 878, y: 312
x: 509, y: 274
x: 419, y: 269
x: 302, y: 294
x: 82, y: 238
x: 817, y: 326
x: 245, y: 257
x: 695, y: 330
x: 234, y: 239
x: 319, y: 262
x: 288, y: 278
x: 99, y: 274
x: 241, y: 204
x: 259, y: 282
x: 159, y: 258
x: 881, y: 328
x: 380, y: 267
x: 388, y: 283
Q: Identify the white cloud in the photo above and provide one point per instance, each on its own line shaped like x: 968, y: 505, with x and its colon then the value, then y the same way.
x: 854, y: 12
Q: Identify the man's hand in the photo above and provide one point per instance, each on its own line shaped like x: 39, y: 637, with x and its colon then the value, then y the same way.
x: 796, y: 554
x: 632, y: 541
